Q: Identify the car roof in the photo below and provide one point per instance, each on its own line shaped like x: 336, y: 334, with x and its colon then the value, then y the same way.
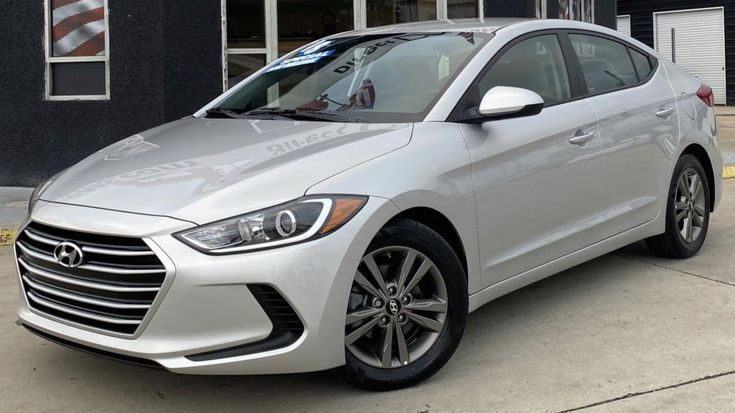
x: 486, y: 25
x: 458, y: 25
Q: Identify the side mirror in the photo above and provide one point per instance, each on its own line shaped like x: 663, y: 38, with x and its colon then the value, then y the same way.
x: 502, y: 102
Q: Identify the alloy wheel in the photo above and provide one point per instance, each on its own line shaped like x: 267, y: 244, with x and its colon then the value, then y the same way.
x: 690, y: 205
x: 397, y: 307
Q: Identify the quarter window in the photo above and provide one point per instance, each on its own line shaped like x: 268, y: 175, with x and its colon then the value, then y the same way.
x: 606, y: 64
x: 536, y: 64
x: 77, y: 55
x: 642, y: 64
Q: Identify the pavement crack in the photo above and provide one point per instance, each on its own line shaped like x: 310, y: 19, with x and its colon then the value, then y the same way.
x: 674, y: 269
x: 642, y: 393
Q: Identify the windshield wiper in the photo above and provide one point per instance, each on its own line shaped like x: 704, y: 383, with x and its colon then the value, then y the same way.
x: 300, y: 114
x: 222, y: 113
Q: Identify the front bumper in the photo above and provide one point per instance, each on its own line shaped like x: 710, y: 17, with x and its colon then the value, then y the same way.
x: 206, y: 304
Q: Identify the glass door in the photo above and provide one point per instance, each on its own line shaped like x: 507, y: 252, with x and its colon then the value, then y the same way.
x: 244, y: 28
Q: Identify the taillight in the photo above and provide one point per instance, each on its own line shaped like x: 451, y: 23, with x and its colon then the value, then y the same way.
x: 707, y: 95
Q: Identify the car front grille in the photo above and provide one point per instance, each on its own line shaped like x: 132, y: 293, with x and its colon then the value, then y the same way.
x: 112, y: 288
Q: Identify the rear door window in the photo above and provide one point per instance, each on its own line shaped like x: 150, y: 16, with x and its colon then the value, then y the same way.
x: 606, y: 64
x: 642, y: 64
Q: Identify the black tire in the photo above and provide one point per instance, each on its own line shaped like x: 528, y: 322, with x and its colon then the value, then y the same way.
x: 411, y: 234
x: 672, y: 244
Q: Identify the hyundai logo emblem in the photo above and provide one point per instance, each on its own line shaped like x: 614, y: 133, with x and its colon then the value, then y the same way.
x: 393, y: 307
x: 68, y: 255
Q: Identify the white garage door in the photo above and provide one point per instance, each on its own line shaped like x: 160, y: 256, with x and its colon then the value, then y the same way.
x: 624, y: 25
x: 695, y: 40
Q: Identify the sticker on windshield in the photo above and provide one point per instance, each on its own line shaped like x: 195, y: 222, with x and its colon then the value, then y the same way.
x: 305, y: 59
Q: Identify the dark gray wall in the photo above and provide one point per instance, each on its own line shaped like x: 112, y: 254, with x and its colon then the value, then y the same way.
x: 165, y: 62
x: 641, y: 26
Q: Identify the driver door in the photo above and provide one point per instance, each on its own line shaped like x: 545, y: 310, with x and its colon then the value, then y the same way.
x: 538, y: 178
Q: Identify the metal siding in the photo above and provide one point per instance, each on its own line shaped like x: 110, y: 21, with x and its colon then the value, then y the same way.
x: 641, y: 12
x: 624, y: 24
x: 699, y: 42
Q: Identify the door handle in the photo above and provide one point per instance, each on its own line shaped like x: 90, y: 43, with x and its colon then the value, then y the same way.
x: 665, y: 112
x: 581, y: 140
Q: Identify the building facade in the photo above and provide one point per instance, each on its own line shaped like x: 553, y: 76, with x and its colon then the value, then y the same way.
x: 78, y: 75
x: 693, y: 34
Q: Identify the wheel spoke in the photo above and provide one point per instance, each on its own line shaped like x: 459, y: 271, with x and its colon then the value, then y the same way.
x: 683, y: 190
x: 405, y: 268
x: 431, y: 305
x: 682, y: 215
x: 700, y: 210
x: 361, y: 331
x: 362, y: 314
x: 423, y: 269
x: 426, y: 322
x: 681, y: 205
x: 375, y: 272
x: 689, y: 228
x: 693, y: 183
x: 367, y: 285
x: 698, y: 220
x: 697, y: 189
x: 402, y: 346
x: 387, y: 350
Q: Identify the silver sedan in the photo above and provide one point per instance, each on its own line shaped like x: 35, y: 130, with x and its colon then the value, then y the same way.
x: 348, y: 205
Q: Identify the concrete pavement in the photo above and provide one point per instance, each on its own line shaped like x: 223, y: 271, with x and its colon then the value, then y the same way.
x: 626, y: 332
x: 13, y: 208
x: 726, y: 122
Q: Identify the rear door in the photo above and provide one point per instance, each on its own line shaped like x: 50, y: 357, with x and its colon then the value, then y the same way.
x: 638, y: 123
x: 537, y: 179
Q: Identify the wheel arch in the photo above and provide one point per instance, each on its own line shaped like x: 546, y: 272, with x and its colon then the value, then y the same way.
x: 701, y: 154
x: 439, y: 223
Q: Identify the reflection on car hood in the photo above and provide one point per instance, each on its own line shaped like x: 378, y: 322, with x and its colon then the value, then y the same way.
x: 202, y: 170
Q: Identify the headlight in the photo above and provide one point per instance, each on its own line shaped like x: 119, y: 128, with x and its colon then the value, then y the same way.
x: 296, y: 221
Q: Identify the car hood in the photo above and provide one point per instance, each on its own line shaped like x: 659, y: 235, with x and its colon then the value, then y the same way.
x: 201, y: 170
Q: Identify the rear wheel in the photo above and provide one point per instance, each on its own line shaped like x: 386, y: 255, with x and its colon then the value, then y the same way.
x: 687, y: 212
x: 407, y: 308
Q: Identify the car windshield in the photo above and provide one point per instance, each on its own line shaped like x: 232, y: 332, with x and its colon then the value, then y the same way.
x: 371, y: 78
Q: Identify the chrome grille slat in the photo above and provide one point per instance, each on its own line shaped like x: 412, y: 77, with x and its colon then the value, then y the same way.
x: 79, y: 313
x: 89, y: 267
x: 81, y: 298
x: 118, y: 253
x: 86, y: 248
x: 37, y: 237
x: 112, y: 290
x: 82, y: 283
x: 110, y: 270
x: 37, y: 255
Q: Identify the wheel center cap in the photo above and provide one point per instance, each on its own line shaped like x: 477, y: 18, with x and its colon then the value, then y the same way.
x: 394, y: 306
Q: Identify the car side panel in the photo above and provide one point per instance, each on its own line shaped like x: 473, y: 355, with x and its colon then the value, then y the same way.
x: 433, y: 171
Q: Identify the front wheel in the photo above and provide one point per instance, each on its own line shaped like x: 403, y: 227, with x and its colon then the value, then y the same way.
x: 687, y: 211
x: 407, y: 308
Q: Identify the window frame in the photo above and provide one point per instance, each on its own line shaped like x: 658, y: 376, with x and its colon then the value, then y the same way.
x: 580, y: 73
x: 49, y: 60
x: 459, y: 113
